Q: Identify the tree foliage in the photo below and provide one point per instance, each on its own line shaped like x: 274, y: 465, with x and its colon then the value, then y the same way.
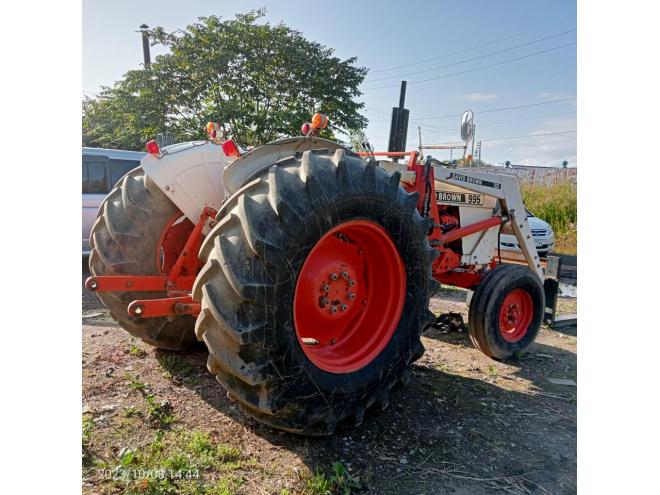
x: 259, y: 81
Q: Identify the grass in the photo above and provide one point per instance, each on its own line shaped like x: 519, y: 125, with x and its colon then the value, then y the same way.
x: 174, y: 367
x: 176, y: 461
x: 557, y: 205
x: 171, y: 459
x: 159, y: 412
x: 339, y: 482
x: 136, y: 351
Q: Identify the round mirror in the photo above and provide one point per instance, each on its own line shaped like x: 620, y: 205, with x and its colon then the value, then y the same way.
x: 467, y: 125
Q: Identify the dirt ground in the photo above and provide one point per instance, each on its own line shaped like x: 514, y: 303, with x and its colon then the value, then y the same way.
x: 465, y: 424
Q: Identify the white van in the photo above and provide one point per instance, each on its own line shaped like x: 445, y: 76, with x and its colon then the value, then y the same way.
x: 101, y: 170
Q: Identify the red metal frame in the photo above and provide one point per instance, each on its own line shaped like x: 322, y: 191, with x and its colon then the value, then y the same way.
x: 446, y: 265
x: 177, y: 278
x: 178, y: 262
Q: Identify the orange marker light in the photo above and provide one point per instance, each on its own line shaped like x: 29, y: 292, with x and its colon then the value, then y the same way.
x: 319, y: 121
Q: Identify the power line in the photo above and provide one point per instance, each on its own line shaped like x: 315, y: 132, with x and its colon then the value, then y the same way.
x: 459, y: 80
x: 448, y: 54
x: 526, y: 136
x: 488, y: 124
x: 501, y: 109
x: 477, y: 68
x: 476, y: 58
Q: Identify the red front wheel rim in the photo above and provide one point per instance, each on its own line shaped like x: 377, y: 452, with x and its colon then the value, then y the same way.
x: 516, y: 314
x: 349, y: 297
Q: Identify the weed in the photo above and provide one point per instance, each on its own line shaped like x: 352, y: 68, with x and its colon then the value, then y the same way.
x: 126, y: 457
x: 344, y: 482
x: 135, y: 384
x: 130, y: 411
x: 137, y: 352
x: 444, y: 367
x: 492, y: 370
x: 318, y: 484
x: 227, y: 453
x: 175, y: 462
x: 87, y: 428
x: 159, y: 413
x: 175, y: 367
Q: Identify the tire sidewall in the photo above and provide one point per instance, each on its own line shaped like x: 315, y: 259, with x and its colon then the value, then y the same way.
x: 501, y: 348
x: 403, y: 231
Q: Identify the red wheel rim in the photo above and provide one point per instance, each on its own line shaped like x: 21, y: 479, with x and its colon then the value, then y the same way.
x: 349, y: 297
x: 516, y: 315
x: 171, y: 242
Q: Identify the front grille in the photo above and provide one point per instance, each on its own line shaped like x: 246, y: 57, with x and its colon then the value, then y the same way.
x: 539, y: 232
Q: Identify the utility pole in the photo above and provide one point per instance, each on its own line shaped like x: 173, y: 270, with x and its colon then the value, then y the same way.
x: 145, y: 45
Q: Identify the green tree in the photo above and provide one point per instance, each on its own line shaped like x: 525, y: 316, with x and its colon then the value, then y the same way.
x: 261, y: 82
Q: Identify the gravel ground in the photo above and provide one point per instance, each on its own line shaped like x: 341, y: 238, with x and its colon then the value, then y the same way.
x: 464, y: 424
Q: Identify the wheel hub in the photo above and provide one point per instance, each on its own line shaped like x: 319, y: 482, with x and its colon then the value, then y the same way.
x: 349, y: 296
x: 516, y: 315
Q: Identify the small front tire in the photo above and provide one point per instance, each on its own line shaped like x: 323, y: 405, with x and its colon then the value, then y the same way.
x: 506, y: 312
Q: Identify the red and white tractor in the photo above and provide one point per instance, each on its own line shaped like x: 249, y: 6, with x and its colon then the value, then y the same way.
x: 307, y: 269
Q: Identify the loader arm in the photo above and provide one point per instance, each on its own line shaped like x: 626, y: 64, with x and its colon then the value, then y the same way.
x: 506, y: 188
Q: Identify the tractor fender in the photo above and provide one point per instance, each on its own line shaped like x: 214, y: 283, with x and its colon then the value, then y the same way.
x: 250, y: 165
x: 190, y: 175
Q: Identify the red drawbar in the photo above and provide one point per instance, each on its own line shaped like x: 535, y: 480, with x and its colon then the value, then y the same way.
x: 177, y: 263
x: 516, y: 315
x: 349, y: 297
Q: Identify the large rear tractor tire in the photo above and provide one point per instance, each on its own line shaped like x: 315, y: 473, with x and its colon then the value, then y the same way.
x: 506, y: 311
x: 314, y: 292
x: 125, y: 239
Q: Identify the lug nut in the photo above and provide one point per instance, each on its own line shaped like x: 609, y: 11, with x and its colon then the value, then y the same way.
x: 333, y: 310
x: 351, y: 296
x: 323, y: 301
x: 351, y: 283
x: 334, y: 276
x: 326, y: 288
x: 345, y: 275
x: 344, y: 307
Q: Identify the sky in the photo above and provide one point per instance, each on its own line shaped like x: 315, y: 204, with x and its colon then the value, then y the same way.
x: 512, y: 62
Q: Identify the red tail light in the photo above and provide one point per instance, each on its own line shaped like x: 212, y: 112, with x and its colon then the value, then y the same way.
x: 153, y: 148
x: 230, y: 148
x: 305, y: 129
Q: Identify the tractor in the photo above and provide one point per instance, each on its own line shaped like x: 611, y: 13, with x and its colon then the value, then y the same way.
x: 307, y: 269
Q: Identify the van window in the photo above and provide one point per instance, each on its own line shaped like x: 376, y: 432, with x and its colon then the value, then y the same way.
x: 119, y: 168
x: 94, y: 177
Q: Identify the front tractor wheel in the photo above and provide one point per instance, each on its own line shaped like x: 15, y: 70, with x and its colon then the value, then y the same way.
x: 314, y: 292
x: 506, y: 311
